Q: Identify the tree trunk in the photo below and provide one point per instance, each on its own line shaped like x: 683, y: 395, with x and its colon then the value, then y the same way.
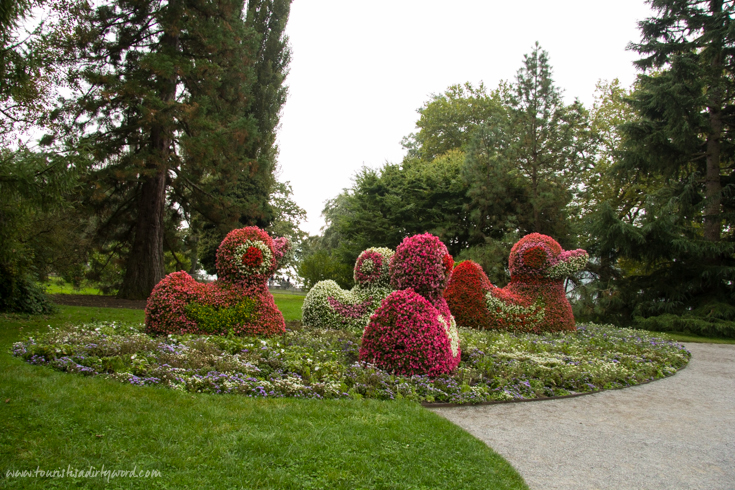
x: 713, y: 186
x: 145, y: 265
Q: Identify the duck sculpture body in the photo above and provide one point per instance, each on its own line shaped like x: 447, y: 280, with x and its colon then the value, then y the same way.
x: 413, y: 332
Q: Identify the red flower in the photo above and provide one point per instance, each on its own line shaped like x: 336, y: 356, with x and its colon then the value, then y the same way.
x: 253, y: 257
x: 534, y: 257
x: 448, y: 264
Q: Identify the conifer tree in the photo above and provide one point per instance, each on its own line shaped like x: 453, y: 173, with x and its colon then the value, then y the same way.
x: 677, y: 256
x: 164, y: 101
x: 267, y: 20
x: 549, y: 147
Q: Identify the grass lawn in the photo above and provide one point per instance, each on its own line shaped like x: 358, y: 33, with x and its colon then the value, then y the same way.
x: 56, y: 421
x: 56, y: 286
x: 289, y: 304
x: 685, y: 337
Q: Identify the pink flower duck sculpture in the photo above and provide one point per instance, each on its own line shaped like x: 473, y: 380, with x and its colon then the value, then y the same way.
x: 412, y: 331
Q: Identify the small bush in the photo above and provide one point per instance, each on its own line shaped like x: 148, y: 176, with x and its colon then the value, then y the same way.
x: 213, y: 320
x: 19, y: 294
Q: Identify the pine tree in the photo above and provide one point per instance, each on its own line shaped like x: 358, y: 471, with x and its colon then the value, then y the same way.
x: 677, y: 256
x: 550, y: 147
x: 164, y: 101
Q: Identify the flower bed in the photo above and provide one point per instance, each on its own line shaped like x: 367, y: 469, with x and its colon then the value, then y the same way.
x: 323, y: 363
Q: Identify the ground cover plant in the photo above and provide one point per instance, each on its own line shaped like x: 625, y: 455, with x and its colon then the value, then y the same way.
x: 323, y: 363
x: 52, y: 420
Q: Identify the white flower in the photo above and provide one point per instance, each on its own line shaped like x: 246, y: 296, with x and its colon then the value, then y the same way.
x: 241, y: 250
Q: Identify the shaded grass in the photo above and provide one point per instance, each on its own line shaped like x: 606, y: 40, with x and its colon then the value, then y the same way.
x: 57, y: 286
x: 686, y: 337
x: 54, y: 421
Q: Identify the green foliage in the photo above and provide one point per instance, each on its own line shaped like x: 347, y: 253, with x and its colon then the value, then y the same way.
x: 448, y: 121
x: 549, y: 143
x: 385, y: 206
x: 483, y: 170
x: 19, y: 294
x: 688, y: 324
x: 37, y: 227
x: 665, y: 242
x: 221, y: 320
x: 317, y: 264
x: 256, y: 199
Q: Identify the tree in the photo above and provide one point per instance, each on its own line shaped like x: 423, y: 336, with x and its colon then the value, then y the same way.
x: 447, y: 121
x: 497, y: 200
x: 34, y: 188
x: 551, y: 145
x: 385, y: 206
x: 677, y: 256
x: 523, y: 167
x: 692, y: 98
x: 163, y: 98
x: 253, y: 196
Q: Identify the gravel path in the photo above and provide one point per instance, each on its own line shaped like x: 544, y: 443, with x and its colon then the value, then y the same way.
x: 675, y: 433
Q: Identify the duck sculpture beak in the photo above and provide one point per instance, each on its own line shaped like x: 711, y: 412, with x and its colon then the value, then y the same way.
x: 567, y: 263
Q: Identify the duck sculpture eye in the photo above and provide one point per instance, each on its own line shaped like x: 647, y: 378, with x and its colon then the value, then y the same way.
x: 253, y: 257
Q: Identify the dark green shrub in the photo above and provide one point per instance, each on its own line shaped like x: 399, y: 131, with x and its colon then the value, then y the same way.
x: 19, y: 294
x: 697, y: 325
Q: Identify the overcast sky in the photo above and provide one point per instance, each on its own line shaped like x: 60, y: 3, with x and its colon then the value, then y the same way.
x: 361, y: 69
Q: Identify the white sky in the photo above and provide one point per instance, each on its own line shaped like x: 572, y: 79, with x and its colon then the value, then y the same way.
x: 361, y: 69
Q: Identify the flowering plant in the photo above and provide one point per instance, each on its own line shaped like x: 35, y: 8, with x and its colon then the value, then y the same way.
x: 328, y: 305
x: 408, y: 336
x: 373, y: 267
x: 322, y: 363
x: 238, y: 302
x: 255, y: 257
x: 534, y: 301
x: 423, y: 263
x: 413, y: 331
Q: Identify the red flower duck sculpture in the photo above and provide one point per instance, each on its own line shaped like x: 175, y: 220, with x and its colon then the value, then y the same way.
x: 534, y: 301
x: 237, y: 302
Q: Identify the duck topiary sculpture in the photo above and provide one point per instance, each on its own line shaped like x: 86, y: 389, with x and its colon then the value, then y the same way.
x: 533, y: 301
x: 413, y: 331
x: 329, y: 306
x: 238, y: 302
